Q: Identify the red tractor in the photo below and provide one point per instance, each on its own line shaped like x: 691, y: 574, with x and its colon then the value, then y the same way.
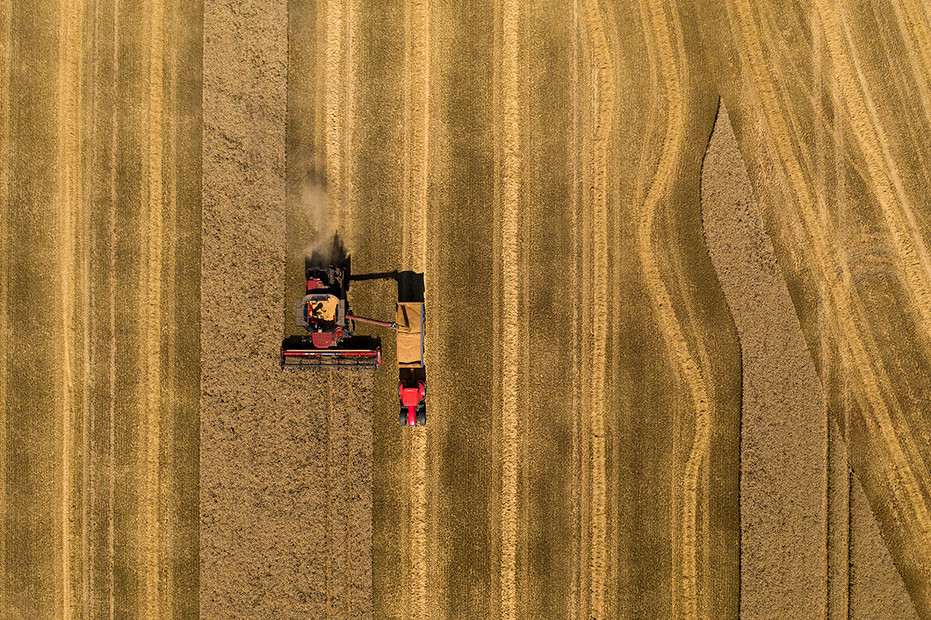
x: 413, y: 406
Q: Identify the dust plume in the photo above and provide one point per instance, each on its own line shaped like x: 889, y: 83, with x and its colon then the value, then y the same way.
x: 315, y: 205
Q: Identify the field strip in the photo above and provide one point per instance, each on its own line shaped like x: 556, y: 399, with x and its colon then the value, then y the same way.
x: 414, y: 251
x: 416, y: 131
x: 574, y: 598
x: 510, y: 170
x: 90, y: 469
x: 69, y: 203
x: 835, y: 275
x: 91, y: 466
x: 6, y: 45
x: 605, y: 88
x: 111, y: 291
x: 151, y: 288
x: 334, y: 93
x: 328, y: 575
x: 686, y: 591
x: 169, y: 489
x: 347, y: 174
x: 582, y: 261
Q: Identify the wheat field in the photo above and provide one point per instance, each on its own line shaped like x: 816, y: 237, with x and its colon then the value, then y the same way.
x: 677, y: 286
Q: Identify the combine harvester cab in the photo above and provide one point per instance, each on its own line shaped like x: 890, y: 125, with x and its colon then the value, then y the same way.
x: 330, y: 342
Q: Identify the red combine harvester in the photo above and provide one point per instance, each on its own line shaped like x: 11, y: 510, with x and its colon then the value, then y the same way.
x: 324, y: 313
x: 331, y: 342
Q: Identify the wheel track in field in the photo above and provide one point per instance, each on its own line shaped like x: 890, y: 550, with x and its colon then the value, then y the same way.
x: 603, y: 122
x: 69, y: 209
x: 686, y: 589
x: 414, y: 256
x: 151, y: 286
x: 862, y: 352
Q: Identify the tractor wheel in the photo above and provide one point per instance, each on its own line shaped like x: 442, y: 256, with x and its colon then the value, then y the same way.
x: 403, y: 417
x: 421, y: 418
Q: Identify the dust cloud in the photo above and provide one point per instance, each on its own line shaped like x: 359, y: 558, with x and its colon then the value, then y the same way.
x: 320, y: 219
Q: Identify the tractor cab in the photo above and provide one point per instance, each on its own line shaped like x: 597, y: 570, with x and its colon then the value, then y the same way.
x: 413, y: 408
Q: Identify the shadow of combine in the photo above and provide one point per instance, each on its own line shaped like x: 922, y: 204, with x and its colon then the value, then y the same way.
x: 332, y: 254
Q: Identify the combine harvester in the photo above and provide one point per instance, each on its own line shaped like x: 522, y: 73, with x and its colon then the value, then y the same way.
x: 333, y: 344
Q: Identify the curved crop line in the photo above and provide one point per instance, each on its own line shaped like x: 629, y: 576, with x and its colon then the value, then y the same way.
x: 910, y: 21
x: 672, y: 331
x: 643, y: 186
x: 835, y: 274
x: 605, y: 100
x: 887, y: 181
